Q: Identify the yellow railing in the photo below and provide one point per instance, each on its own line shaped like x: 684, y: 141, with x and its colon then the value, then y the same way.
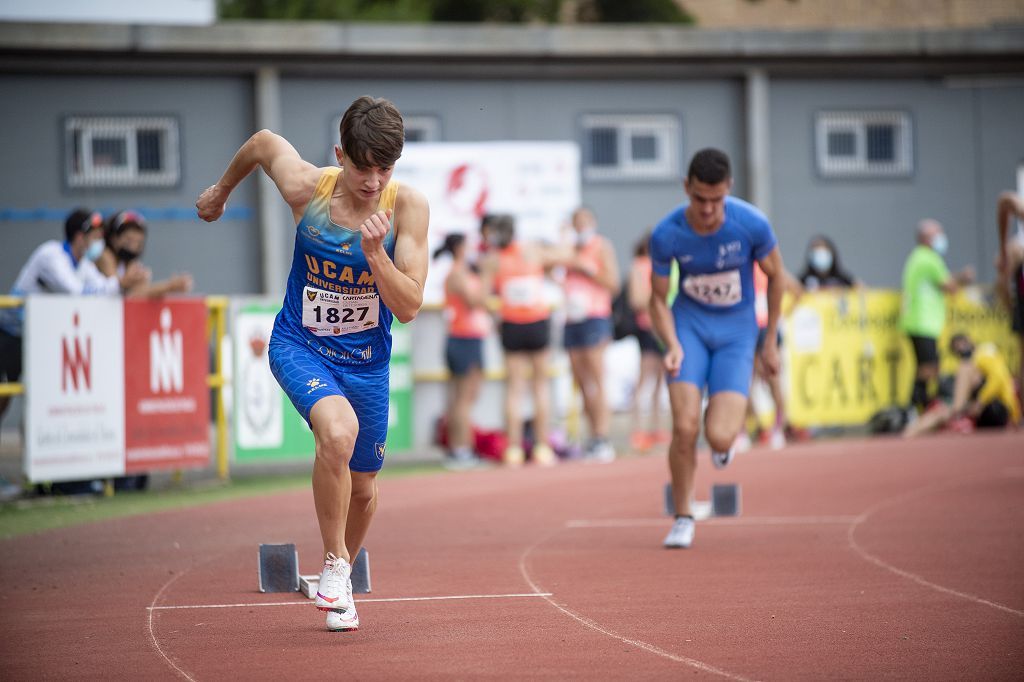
x: 217, y: 307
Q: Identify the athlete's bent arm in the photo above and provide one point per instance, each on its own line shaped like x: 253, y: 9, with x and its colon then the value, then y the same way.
x: 400, y: 282
x: 664, y: 325
x: 295, y: 178
x: 772, y: 266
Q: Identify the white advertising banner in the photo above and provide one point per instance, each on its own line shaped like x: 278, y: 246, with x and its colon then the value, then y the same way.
x: 74, y: 410
x: 537, y: 182
x: 259, y: 413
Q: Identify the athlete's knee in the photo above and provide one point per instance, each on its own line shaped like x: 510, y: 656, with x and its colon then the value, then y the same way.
x: 686, y: 429
x: 364, y: 492
x: 719, y: 438
x: 334, y: 445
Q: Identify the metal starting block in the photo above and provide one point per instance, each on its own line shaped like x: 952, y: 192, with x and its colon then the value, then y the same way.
x: 278, y: 568
x: 360, y: 577
x: 725, y: 501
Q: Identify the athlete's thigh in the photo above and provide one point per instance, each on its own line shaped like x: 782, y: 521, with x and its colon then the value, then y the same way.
x: 732, y: 364
x: 696, y: 357
x: 304, y: 376
x: 367, y: 389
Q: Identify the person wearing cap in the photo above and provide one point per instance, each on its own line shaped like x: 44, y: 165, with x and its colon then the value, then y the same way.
x: 124, y: 237
x: 983, y: 395
x: 60, y: 267
x: 926, y: 281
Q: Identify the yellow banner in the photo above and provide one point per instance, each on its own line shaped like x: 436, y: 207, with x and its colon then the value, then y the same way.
x: 846, y: 357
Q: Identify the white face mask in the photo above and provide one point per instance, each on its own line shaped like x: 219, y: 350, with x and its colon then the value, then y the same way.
x: 821, y: 259
x: 585, y: 235
x: 940, y: 243
x: 95, y: 250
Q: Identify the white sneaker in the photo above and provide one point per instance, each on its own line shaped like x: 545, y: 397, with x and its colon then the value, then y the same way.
x: 742, y: 443
x: 602, y: 451
x: 777, y: 440
x: 347, y: 621
x: 334, y: 593
x: 722, y: 459
x: 681, y: 535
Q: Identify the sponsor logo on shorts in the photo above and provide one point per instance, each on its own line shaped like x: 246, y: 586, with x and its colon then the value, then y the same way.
x: 314, y: 384
x: 379, y: 448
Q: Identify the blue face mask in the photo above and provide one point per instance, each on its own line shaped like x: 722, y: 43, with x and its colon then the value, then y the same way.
x: 940, y: 243
x: 95, y: 250
x: 821, y: 259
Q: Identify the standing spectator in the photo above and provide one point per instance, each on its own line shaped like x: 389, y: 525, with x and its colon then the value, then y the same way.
x: 822, y: 269
x: 651, y: 376
x: 591, y: 280
x: 1011, y: 269
x: 517, y: 271
x: 468, y: 325
x: 124, y: 235
x: 926, y: 281
x: 56, y: 267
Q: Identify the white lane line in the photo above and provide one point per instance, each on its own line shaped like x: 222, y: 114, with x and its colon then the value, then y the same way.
x: 593, y: 625
x: 382, y: 600
x: 717, y: 521
x: 152, y: 632
x: 851, y: 541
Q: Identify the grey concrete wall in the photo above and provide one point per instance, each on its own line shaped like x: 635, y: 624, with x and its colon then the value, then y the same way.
x: 967, y: 144
x: 214, y: 117
x: 710, y: 112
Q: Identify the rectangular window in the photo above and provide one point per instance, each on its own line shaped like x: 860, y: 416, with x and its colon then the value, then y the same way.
x: 121, y: 151
x: 630, y: 146
x: 863, y: 144
x: 419, y: 128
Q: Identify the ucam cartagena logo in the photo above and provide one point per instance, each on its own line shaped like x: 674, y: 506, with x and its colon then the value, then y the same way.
x: 76, y: 360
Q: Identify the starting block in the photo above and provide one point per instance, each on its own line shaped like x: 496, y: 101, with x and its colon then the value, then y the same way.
x: 725, y: 501
x: 308, y: 584
x: 278, y: 568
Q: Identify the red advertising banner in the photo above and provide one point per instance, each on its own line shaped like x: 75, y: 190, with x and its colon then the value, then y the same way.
x: 167, y: 401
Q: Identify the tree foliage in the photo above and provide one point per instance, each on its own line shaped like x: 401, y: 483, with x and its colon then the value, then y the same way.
x: 468, y: 11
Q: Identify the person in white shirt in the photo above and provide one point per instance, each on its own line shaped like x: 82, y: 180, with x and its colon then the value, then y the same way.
x: 57, y: 267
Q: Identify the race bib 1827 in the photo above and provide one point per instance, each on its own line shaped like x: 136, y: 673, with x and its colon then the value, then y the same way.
x: 717, y: 288
x: 326, y: 313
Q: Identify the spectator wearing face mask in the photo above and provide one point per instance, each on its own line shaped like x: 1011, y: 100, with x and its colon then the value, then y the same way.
x: 124, y: 238
x: 822, y: 269
x: 926, y: 281
x: 60, y: 267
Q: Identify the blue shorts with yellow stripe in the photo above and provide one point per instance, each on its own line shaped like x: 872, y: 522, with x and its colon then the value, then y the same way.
x: 306, y: 376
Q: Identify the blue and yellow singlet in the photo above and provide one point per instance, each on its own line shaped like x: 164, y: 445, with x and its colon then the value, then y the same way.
x: 331, y: 303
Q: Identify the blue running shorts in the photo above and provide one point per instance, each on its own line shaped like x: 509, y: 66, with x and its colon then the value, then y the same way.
x: 306, y: 377
x: 717, y: 353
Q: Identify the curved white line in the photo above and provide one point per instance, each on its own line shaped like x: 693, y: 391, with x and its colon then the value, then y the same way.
x: 152, y: 634
x: 583, y: 620
x: 878, y: 561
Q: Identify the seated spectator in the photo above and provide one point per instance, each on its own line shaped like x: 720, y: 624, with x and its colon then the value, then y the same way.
x: 60, y: 267
x: 124, y: 235
x: 823, y: 269
x: 983, y: 395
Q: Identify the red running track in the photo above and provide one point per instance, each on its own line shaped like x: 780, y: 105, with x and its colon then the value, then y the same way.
x: 852, y: 560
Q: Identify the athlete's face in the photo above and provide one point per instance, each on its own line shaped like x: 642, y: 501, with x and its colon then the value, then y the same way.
x: 707, y: 203
x: 366, y: 182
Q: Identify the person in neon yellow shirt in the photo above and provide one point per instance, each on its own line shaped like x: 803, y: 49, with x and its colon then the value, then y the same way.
x: 982, y: 392
x: 926, y: 281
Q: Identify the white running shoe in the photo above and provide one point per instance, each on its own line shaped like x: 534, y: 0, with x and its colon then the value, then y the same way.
x: 681, y: 535
x: 777, y: 440
x: 347, y: 621
x: 722, y: 459
x: 742, y: 443
x: 334, y: 593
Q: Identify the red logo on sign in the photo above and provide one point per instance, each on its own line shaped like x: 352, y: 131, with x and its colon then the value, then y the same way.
x: 76, y: 360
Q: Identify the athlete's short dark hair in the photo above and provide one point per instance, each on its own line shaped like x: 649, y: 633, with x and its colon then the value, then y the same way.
x: 372, y: 132
x: 81, y: 220
x: 710, y: 166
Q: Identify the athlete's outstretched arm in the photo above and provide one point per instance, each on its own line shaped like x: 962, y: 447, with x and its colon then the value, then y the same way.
x: 664, y: 325
x: 400, y: 282
x: 295, y: 179
x: 772, y: 266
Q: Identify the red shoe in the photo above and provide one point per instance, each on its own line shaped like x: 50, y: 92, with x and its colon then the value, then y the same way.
x: 641, y: 441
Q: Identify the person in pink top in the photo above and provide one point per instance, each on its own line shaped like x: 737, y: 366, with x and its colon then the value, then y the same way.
x: 651, y: 378
x: 465, y: 303
x: 591, y: 280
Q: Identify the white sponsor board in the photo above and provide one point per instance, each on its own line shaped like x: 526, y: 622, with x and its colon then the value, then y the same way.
x: 259, y: 417
x: 537, y: 182
x: 74, y: 412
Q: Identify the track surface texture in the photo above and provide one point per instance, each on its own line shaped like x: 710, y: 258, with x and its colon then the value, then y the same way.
x: 851, y: 560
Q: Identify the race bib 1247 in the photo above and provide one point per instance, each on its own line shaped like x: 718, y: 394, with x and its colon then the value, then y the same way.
x: 718, y: 288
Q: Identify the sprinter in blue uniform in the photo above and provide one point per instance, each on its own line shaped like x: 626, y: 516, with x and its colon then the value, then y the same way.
x: 710, y: 332
x: 360, y: 260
